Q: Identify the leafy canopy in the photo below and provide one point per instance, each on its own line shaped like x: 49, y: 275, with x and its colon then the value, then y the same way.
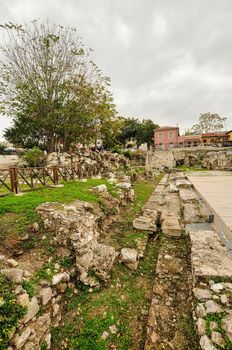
x: 51, y: 87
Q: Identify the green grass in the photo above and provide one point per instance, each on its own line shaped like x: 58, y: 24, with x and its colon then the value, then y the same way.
x: 186, y: 168
x: 30, y: 287
x: 17, y: 212
x: 30, y: 200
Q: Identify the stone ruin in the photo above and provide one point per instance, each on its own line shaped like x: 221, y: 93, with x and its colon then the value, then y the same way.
x: 101, y: 162
x: 206, y: 157
x: 78, y: 233
x: 75, y: 228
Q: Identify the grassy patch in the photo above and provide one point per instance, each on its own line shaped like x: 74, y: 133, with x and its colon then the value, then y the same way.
x: 186, y: 324
x: 186, y: 168
x: 16, y: 213
x: 122, y: 305
x: 218, y: 319
x: 72, y: 190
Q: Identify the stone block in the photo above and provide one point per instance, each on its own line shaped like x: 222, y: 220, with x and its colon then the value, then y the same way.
x: 45, y: 295
x: 188, y: 195
x: 183, y: 184
x: 130, y: 258
x: 171, y: 227
x: 145, y: 223
x: 173, y: 188
x: 209, y: 256
x: 60, y: 277
x: 32, y: 309
x: 13, y: 274
x: 20, y: 340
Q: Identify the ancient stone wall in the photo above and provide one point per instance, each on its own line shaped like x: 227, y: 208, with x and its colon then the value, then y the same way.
x: 207, y: 157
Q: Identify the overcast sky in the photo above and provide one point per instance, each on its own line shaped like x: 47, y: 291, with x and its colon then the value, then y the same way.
x: 168, y: 60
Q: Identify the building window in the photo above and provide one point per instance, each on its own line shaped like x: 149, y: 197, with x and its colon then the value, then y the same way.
x: 160, y: 136
x: 170, y: 145
x: 170, y: 135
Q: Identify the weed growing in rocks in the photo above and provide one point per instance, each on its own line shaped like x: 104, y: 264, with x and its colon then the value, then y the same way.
x: 30, y: 287
x: 10, y: 312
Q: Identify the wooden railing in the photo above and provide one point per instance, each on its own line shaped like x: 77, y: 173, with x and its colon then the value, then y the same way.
x: 16, y: 180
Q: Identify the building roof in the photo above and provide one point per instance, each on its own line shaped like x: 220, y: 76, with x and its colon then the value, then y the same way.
x: 166, y: 127
x: 210, y: 134
x: 189, y: 137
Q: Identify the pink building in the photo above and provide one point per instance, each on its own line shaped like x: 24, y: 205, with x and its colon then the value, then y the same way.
x: 166, y: 137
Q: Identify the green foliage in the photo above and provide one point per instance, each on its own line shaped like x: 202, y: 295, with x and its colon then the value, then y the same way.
x: 53, y: 90
x: 3, y: 146
x: 138, y: 131
x: 43, y: 346
x: 30, y: 287
x: 218, y: 319
x: 128, y: 154
x: 146, y: 132
x: 66, y: 262
x: 208, y: 122
x: 10, y: 312
x: 34, y: 157
x: 129, y: 130
x: 45, y: 272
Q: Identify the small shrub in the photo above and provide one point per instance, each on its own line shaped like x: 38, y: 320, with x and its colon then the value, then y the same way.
x: 117, y: 149
x: 30, y: 287
x: 35, y: 157
x: 67, y: 262
x: 128, y: 154
x: 44, y: 345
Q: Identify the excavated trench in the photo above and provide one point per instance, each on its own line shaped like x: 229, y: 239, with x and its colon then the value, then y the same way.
x: 170, y: 324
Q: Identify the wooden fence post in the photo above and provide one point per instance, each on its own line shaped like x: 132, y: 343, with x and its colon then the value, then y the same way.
x: 55, y: 174
x: 14, y: 180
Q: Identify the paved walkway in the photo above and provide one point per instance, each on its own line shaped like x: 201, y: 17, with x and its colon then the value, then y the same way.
x: 216, y: 188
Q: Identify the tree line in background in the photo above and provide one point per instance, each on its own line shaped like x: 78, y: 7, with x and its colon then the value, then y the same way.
x: 56, y: 95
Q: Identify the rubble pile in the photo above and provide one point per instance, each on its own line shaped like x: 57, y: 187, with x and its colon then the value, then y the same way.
x: 90, y: 161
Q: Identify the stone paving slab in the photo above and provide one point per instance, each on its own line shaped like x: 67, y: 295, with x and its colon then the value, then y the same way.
x: 217, y: 191
x: 210, y: 258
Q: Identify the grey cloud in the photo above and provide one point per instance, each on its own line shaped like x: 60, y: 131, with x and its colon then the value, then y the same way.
x: 168, y: 60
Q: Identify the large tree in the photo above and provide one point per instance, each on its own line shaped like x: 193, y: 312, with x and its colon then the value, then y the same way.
x: 138, y: 131
x: 146, y: 132
x: 209, y: 122
x: 51, y: 88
